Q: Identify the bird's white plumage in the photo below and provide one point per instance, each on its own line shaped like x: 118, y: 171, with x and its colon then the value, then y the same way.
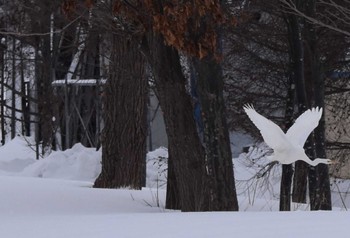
x: 288, y: 147
x: 304, y: 125
x: 272, y: 134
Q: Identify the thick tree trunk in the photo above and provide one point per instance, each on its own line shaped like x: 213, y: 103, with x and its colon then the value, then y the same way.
x: 173, y: 200
x: 125, y: 115
x: 297, y: 63
x: 44, y: 87
x: 215, y: 135
x: 286, y: 186
x: 300, y: 182
x: 324, y: 192
x: 187, y: 154
x: 319, y: 185
x: 310, y: 89
x: 287, y: 170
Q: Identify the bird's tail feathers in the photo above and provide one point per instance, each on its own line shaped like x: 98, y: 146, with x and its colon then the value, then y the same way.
x: 248, y: 106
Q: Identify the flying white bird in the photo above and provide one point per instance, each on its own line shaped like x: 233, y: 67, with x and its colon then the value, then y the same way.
x: 288, y: 147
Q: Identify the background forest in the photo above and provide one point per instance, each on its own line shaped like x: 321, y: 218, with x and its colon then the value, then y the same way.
x: 84, y: 71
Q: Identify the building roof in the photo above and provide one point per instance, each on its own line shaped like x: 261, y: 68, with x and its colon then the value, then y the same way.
x: 79, y: 82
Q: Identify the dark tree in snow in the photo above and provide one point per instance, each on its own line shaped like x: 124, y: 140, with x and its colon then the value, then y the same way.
x: 304, y: 51
x: 124, y: 96
x: 185, y: 148
x: 189, y: 27
x: 215, y: 134
x: 125, y: 116
x: 201, y: 41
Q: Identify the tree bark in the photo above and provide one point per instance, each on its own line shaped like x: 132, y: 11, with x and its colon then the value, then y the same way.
x: 13, y: 94
x: 286, y: 186
x: 44, y: 87
x: 188, y: 155
x: 125, y: 117
x: 319, y: 185
x: 173, y: 200
x: 310, y: 90
x: 215, y: 135
x: 2, y: 93
x: 287, y: 170
x: 296, y: 49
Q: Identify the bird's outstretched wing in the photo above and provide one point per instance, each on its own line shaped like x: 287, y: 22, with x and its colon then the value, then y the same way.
x: 303, y: 126
x: 272, y: 134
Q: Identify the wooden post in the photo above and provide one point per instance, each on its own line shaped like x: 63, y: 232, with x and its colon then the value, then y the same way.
x: 66, y: 115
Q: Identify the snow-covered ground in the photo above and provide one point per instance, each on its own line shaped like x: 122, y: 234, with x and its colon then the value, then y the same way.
x: 53, y: 197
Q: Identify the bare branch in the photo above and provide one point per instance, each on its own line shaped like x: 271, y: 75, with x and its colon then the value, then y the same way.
x: 21, y: 34
x: 290, y: 7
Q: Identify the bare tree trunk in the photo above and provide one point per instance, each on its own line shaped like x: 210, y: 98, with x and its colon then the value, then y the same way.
x: 297, y: 63
x: 45, y: 96
x: 287, y: 170
x: 187, y: 153
x: 215, y: 137
x: 310, y: 89
x: 325, y: 199
x: 44, y: 79
x: 125, y: 116
x: 13, y: 94
x: 173, y: 200
x: 319, y: 185
x: 2, y: 93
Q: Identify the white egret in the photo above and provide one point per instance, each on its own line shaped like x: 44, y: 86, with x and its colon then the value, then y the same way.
x: 288, y: 147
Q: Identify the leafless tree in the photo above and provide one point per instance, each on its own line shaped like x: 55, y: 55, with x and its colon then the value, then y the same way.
x: 336, y: 14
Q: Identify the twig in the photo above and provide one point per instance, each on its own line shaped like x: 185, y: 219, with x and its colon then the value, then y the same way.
x: 21, y: 34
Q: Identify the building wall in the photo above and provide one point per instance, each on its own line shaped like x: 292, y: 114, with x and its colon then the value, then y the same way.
x: 156, y: 135
x: 337, y: 117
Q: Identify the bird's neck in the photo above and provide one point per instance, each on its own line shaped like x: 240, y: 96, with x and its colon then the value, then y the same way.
x: 318, y: 161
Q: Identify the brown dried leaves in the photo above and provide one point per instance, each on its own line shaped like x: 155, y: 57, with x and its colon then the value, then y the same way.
x: 190, y: 26
x: 69, y: 7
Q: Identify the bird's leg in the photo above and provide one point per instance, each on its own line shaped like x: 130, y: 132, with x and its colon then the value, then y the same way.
x: 262, y: 172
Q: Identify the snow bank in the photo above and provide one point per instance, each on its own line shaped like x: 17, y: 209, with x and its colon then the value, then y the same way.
x: 255, y: 193
x: 17, y: 158
x: 18, y: 148
x: 16, y: 155
x: 157, y: 165
x: 77, y: 163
